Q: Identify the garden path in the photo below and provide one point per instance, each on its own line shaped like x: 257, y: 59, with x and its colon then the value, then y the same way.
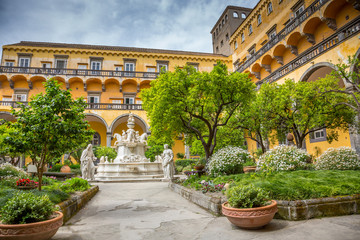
x: 151, y: 210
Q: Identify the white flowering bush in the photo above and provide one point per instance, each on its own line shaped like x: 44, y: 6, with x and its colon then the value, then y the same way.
x: 283, y: 158
x: 343, y: 158
x: 228, y: 160
x: 9, y: 171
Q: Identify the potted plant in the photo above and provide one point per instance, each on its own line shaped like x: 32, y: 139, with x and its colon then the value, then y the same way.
x: 30, y: 217
x: 200, y: 165
x: 249, y: 207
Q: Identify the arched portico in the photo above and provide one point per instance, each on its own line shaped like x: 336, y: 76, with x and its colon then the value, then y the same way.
x: 99, y: 125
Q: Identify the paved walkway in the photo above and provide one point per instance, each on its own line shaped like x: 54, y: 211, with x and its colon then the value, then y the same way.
x: 152, y: 211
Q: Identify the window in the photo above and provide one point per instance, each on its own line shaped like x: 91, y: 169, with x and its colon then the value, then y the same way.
x: 45, y: 65
x: 259, y: 19
x: 116, y: 101
x: 250, y: 29
x: 162, y: 66
x: 272, y: 34
x: 223, y: 22
x: 222, y: 43
x: 93, y: 99
x: 227, y: 37
x: 129, y: 100
x: 60, y: 63
x: 96, y: 139
x: 269, y: 8
x: 129, y: 67
x: 6, y: 99
x: 242, y: 37
x: 235, y: 45
x: 151, y: 71
x: 9, y: 64
x: 235, y: 15
x: 318, y: 136
x: 243, y: 15
x: 217, y: 31
x: 95, y: 65
x: 252, y: 50
x: 194, y: 65
x: 24, y: 62
x: 219, y: 27
x: 226, y: 18
x: 299, y: 10
x: 20, y: 97
x: 82, y: 66
x: 214, y: 35
x: 217, y: 49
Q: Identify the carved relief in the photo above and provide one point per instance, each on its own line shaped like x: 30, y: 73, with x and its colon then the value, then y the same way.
x: 331, y: 23
x: 266, y: 67
x: 279, y: 59
x: 310, y: 38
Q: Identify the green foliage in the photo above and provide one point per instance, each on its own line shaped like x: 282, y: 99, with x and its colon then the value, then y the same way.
x: 343, y: 158
x: 185, y: 162
x: 76, y: 154
x: 283, y: 158
x: 247, y: 196
x: 105, y: 151
x: 26, y: 208
x: 293, y: 185
x: 55, y: 195
x: 74, y: 166
x: 180, y: 155
x: 50, y: 125
x: 9, y: 171
x: 7, y: 149
x: 195, y: 103
x: 6, y: 193
x: 56, y: 168
x: 74, y: 184
x: 153, y: 151
x: 228, y: 160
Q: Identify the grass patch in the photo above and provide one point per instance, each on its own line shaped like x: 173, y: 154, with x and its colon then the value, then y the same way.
x: 293, y: 185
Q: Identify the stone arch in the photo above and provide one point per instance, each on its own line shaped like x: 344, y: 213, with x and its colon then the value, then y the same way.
x: 332, y: 8
x: 92, y: 116
x: 145, y: 84
x: 94, y: 84
x: 112, y: 84
x: 19, y: 81
x: 319, y: 70
x: 99, y: 125
x: 124, y: 117
x: 129, y: 85
x: 7, y: 116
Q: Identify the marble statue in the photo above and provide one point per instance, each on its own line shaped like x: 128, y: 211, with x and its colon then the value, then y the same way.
x: 168, y: 162
x: 87, y: 163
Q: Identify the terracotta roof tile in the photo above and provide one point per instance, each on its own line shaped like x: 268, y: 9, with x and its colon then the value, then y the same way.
x: 110, y: 48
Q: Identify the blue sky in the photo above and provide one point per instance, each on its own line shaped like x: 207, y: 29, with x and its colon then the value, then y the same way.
x: 164, y: 24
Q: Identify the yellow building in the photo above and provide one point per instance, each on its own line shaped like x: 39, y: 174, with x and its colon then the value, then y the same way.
x: 277, y: 40
x: 300, y: 40
x: 110, y: 78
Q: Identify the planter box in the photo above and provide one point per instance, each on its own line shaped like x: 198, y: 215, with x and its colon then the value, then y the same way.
x: 288, y: 210
x: 71, y: 206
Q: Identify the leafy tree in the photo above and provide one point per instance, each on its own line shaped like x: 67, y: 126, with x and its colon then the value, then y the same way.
x: 195, y: 103
x: 106, y: 152
x: 7, y: 149
x: 51, y: 125
x: 76, y: 154
x: 301, y: 108
x: 153, y: 151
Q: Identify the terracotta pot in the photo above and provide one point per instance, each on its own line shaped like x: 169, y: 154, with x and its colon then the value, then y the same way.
x: 199, y: 167
x: 250, y: 218
x: 249, y: 169
x: 32, y: 231
x: 27, y: 187
x: 65, y: 169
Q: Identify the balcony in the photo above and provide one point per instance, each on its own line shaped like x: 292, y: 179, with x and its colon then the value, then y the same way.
x: 315, y: 6
x: 97, y: 106
x: 77, y: 72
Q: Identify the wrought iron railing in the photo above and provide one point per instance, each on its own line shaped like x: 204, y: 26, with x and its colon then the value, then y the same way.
x: 345, y: 32
x: 99, y: 106
x: 77, y: 72
x: 283, y: 33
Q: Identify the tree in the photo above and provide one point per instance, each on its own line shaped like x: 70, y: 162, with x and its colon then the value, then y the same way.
x: 195, y: 103
x: 302, y: 108
x: 51, y: 125
x: 106, y: 152
x: 12, y: 150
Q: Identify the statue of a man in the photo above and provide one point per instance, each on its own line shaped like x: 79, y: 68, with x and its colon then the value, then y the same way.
x: 168, y: 162
x: 87, y: 163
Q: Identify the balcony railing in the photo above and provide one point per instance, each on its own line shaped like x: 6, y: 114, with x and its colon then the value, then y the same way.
x: 349, y: 30
x: 77, y: 72
x: 98, y: 106
x: 283, y: 33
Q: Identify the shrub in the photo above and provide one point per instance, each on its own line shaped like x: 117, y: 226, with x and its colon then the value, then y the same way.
x: 247, y: 196
x: 55, y: 195
x: 56, y: 167
x: 283, y: 158
x: 75, y: 184
x: 106, y: 152
x: 228, y: 160
x: 26, y: 208
x: 74, y: 166
x: 185, y: 162
x: 343, y: 158
x: 9, y: 171
x: 180, y: 155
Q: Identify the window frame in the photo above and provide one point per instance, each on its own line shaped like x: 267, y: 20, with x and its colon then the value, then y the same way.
x: 235, y: 14
x: 314, y: 139
x: 250, y: 29
x: 93, y: 139
x: 242, y: 37
x: 270, y: 8
x: 259, y: 19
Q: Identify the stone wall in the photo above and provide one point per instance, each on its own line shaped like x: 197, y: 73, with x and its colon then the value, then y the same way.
x: 77, y: 201
x: 288, y: 210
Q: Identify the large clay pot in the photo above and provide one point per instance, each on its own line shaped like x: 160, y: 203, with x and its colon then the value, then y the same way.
x: 250, y: 218
x: 65, y: 169
x: 248, y: 169
x: 31, y: 231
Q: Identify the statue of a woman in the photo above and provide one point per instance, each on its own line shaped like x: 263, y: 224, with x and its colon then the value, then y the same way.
x: 168, y: 162
x: 87, y: 163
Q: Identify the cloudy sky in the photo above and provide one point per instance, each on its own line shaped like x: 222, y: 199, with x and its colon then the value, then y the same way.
x: 164, y: 24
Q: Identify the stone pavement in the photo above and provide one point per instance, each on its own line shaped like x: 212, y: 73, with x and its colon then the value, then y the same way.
x: 151, y: 210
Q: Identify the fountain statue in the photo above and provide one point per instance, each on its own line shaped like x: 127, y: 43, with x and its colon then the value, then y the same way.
x: 130, y: 162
